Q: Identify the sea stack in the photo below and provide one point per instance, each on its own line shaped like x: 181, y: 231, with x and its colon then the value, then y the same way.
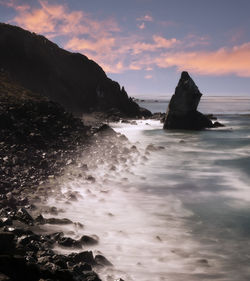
x: 182, y: 110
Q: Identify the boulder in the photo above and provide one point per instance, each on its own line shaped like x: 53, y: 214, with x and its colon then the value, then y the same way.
x: 102, y: 261
x: 182, y: 110
x: 88, y: 240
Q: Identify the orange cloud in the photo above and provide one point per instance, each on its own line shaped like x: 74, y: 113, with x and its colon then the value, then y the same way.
x: 159, y: 42
x: 55, y: 20
x: 81, y: 45
x: 224, y: 61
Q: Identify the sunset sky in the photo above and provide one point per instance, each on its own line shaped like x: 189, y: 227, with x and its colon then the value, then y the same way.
x: 144, y: 44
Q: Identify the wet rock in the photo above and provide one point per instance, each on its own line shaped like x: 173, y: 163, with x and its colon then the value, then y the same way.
x: 58, y: 221
x: 82, y: 266
x: 86, y: 256
x: 90, y: 178
x: 56, y: 236
x: 218, y: 124
x: 145, y: 112
x: 88, y: 240
x: 41, y: 220
x: 158, y: 116
x: 182, y: 110
x: 53, y: 210
x: 78, y: 225
x: 203, y: 261
x: 102, y: 261
x: 69, y: 242
x: 91, y: 276
x: 211, y: 117
x: 72, y: 196
x: 23, y: 215
x: 60, y: 260
x: 152, y: 147
x: 125, y: 121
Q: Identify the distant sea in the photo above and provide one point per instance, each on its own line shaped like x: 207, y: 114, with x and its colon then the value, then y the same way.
x: 210, y: 104
x: 179, y: 209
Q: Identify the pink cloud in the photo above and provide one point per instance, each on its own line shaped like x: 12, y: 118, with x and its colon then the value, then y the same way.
x: 56, y: 20
x: 224, y: 61
x: 158, y: 43
x: 141, y: 26
x: 81, y: 45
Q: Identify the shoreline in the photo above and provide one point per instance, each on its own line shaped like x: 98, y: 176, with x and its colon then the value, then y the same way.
x: 39, y: 141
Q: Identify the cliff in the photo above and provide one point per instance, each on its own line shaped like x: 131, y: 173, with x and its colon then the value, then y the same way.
x: 77, y: 83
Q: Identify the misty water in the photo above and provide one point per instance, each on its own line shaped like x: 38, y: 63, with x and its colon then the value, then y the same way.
x: 178, y: 209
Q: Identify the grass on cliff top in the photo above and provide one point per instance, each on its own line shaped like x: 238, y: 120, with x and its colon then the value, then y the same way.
x: 13, y: 93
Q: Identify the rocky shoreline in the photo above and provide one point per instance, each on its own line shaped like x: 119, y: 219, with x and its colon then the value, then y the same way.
x: 38, y: 141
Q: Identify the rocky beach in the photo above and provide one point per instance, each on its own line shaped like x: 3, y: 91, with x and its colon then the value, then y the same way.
x: 39, y: 140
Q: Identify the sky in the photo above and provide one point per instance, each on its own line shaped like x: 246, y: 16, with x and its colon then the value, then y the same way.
x: 145, y: 44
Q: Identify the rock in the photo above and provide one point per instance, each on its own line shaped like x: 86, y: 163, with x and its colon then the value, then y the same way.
x: 69, y: 242
x: 5, y: 221
x: 41, y: 220
x: 158, y: 116
x: 82, y: 266
x: 211, y: 117
x: 58, y: 221
x: 60, y: 260
x: 86, y: 256
x: 102, y: 261
x: 218, y: 124
x: 6, y: 242
x: 23, y: 215
x: 90, y: 178
x: 145, y: 112
x: 17, y: 269
x: 151, y: 147
x: 56, y: 236
x: 91, y: 276
x: 87, y: 240
x: 4, y: 277
x: 182, y: 110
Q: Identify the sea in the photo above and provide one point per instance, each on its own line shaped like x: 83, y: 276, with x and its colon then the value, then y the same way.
x: 179, y: 208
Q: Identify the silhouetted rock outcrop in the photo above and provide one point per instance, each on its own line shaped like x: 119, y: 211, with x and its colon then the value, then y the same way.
x: 182, y: 110
x: 71, y: 79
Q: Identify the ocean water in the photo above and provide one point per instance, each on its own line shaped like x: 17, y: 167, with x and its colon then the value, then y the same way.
x: 178, y: 206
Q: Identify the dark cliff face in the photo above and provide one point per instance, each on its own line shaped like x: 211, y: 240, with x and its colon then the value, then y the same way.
x: 71, y: 79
